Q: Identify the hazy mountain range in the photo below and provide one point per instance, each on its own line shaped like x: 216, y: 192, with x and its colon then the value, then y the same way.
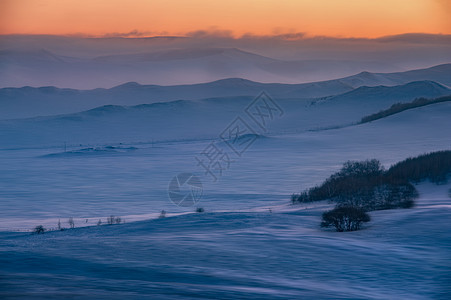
x: 191, y: 119
x: 41, y: 67
x: 29, y: 102
x: 87, y: 63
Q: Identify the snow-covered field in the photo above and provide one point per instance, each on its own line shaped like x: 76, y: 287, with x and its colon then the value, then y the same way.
x: 44, y: 184
x: 250, y: 243
x: 402, y: 254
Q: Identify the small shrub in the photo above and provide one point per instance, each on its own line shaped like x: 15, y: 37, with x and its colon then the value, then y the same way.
x: 71, y: 222
x: 345, y: 218
x: 39, y: 229
x: 200, y: 210
x: 114, y: 220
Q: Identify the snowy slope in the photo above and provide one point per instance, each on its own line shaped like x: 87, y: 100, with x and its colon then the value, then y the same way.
x: 250, y: 244
x: 401, y: 254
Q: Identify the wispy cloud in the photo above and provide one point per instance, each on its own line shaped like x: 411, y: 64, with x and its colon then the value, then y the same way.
x: 418, y: 38
x: 210, y: 33
x: 133, y: 33
x: 278, y: 36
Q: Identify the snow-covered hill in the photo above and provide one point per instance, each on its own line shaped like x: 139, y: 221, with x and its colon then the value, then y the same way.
x: 30, y: 102
x: 438, y: 73
x: 201, y: 119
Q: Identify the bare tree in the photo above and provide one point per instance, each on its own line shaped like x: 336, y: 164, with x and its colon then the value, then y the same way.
x: 71, y: 222
x: 39, y: 229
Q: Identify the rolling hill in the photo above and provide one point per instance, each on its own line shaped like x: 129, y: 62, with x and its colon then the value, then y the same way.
x: 207, y: 118
x: 29, y: 101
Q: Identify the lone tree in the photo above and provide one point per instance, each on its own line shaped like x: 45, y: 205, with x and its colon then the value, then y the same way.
x: 345, y: 218
x: 39, y: 229
x: 71, y: 222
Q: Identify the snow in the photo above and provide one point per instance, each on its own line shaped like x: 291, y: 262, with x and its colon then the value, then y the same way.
x: 111, y: 160
x: 245, y: 255
x: 250, y: 243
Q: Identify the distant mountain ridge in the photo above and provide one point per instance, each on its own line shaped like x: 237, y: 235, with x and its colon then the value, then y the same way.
x: 187, y: 65
x: 404, y: 92
x: 29, y: 101
x: 440, y: 73
x: 182, y: 54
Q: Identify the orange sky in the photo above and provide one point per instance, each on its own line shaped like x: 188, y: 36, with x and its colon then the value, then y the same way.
x: 345, y: 18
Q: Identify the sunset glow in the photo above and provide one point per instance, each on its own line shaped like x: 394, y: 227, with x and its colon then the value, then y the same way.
x: 344, y: 18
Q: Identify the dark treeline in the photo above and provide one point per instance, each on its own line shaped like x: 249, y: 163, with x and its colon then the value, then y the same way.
x: 435, y: 166
x: 368, y: 185
x: 399, y: 107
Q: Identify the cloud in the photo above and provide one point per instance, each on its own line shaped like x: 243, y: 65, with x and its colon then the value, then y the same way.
x: 130, y: 34
x: 227, y: 35
x: 210, y: 33
x: 280, y: 36
x: 418, y: 38
x: 215, y: 33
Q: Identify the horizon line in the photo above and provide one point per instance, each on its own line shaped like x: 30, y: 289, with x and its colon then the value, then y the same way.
x: 221, y: 35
